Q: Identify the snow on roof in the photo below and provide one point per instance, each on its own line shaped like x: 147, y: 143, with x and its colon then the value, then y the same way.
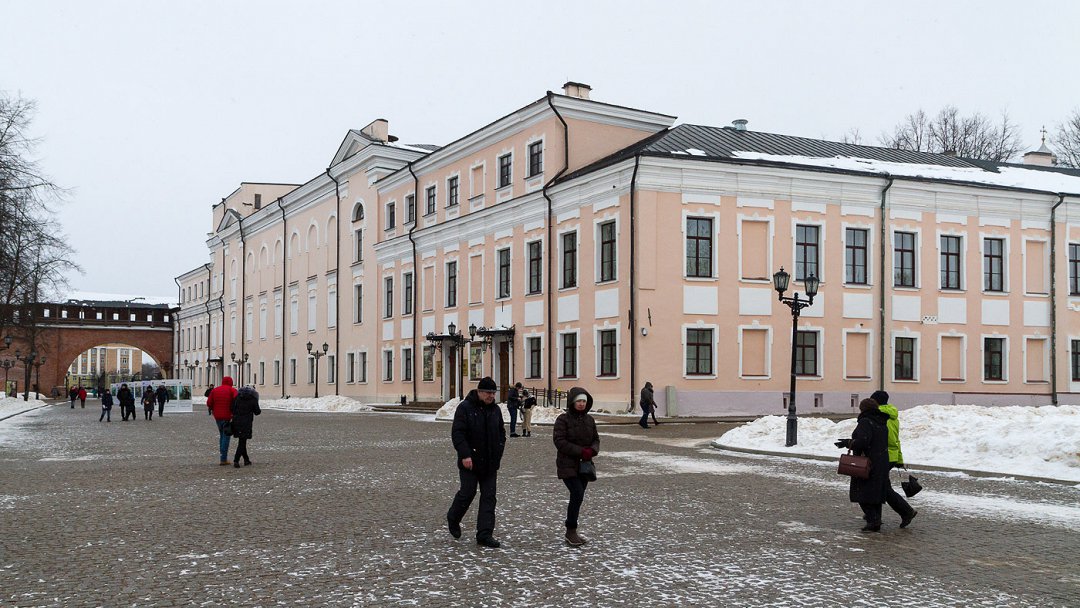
x: 112, y: 297
x: 1007, y: 176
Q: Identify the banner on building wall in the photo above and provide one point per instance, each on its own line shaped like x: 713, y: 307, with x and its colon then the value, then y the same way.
x: 179, y: 392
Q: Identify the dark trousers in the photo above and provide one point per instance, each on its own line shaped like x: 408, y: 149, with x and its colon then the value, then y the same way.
x: 645, y: 416
x: 871, y: 512
x: 241, y: 450
x: 160, y: 408
x: 485, y: 515
x: 106, y: 414
x: 895, y: 501
x: 148, y: 412
x: 577, y: 486
x: 512, y: 408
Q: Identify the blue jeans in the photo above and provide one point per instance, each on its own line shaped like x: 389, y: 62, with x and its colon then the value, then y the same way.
x: 513, y: 411
x: 223, y: 439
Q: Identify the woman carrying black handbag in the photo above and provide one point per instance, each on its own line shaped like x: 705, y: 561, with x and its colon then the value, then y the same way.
x: 576, y: 443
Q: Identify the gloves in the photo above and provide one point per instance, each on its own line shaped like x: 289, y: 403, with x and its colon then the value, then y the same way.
x: 587, y: 453
x: 843, y: 443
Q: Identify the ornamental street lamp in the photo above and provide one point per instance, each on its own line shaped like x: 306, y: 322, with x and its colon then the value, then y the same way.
x: 318, y: 355
x: 28, y: 363
x: 6, y: 364
x: 243, y: 364
x: 780, y: 282
x: 37, y: 375
x: 7, y: 343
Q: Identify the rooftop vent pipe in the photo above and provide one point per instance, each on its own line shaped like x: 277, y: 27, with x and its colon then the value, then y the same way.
x: 739, y: 124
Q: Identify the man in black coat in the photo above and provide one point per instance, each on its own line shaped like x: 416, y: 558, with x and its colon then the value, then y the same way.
x: 162, y: 395
x: 479, y: 440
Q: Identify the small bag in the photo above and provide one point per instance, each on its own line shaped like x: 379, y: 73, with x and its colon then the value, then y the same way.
x: 587, y: 470
x: 854, y: 466
x: 911, y: 486
x: 226, y: 428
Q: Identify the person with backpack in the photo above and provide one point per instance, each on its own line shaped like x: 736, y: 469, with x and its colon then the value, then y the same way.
x: 106, y: 406
x: 896, y: 459
x: 162, y: 395
x: 148, y: 403
x: 244, y: 409
x: 219, y: 405
x: 127, y: 402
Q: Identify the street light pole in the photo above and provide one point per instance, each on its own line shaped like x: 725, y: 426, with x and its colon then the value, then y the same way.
x: 318, y: 355
x: 28, y: 363
x: 781, y: 280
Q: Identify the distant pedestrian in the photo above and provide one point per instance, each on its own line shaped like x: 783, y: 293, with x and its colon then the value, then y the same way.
x: 219, y: 405
x: 479, y: 440
x: 82, y: 397
x: 896, y: 459
x: 513, y: 404
x: 527, y: 404
x: 73, y: 393
x: 106, y: 406
x: 162, y: 395
x: 871, y: 439
x: 244, y: 409
x: 127, y: 402
x: 648, y: 406
x: 148, y: 403
x: 576, y: 440
x: 208, y: 391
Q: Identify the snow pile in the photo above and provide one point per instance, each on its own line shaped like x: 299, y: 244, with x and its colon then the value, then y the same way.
x: 333, y: 403
x: 1035, y: 441
x: 541, y: 415
x: 13, y: 405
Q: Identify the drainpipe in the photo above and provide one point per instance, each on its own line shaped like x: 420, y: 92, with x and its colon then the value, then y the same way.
x: 337, y: 290
x: 551, y: 246
x: 221, y: 304
x: 243, y: 300
x: 1053, y: 300
x: 633, y: 283
x: 415, y: 274
x: 176, y: 322
x: 209, y: 286
x: 284, y: 284
x: 881, y: 280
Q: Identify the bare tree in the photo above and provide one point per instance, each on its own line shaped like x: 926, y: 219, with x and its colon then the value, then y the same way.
x: 973, y: 136
x: 33, y: 256
x: 1066, y: 140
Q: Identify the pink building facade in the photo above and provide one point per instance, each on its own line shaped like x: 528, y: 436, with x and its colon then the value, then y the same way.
x: 573, y: 242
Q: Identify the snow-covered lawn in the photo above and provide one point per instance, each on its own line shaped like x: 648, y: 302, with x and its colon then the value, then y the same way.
x: 1035, y: 441
x: 14, y: 405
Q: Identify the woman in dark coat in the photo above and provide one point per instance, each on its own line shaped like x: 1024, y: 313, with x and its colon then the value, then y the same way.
x: 576, y: 439
x: 870, y: 438
x: 244, y: 409
x: 127, y: 402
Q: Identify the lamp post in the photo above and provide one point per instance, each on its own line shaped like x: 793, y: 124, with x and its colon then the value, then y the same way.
x: 28, y: 363
x: 240, y: 367
x: 318, y: 355
x: 37, y: 374
x: 781, y: 280
x: 7, y: 342
x: 6, y: 364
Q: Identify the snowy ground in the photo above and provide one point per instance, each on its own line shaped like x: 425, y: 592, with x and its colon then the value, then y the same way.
x: 1033, y: 441
x: 13, y: 405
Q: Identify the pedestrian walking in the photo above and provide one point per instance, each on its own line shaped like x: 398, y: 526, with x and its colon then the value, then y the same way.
x: 219, y: 405
x: 106, y: 406
x: 513, y: 404
x: 148, y: 403
x: 527, y: 404
x: 244, y: 409
x: 896, y: 459
x: 126, y: 400
x: 479, y: 439
x: 576, y: 440
x: 82, y: 397
x: 648, y: 406
x: 73, y: 393
x: 162, y: 395
x: 871, y: 439
x: 208, y: 391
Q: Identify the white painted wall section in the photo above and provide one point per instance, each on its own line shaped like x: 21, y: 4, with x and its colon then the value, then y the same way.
x: 568, y: 309
x: 858, y: 306
x: 995, y: 312
x: 952, y: 310
x: 907, y: 308
x: 534, y: 313
x: 606, y: 304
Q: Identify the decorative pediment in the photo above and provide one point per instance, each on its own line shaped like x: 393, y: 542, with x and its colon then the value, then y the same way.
x: 354, y: 142
x: 230, y: 219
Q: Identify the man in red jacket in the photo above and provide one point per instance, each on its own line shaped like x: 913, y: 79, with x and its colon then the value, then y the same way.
x: 219, y: 405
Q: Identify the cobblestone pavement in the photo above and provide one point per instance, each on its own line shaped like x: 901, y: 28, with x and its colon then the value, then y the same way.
x: 344, y: 510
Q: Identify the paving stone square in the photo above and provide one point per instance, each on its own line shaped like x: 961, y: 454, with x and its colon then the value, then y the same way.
x: 349, y: 510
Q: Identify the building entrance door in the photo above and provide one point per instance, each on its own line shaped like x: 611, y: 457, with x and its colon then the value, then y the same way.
x: 504, y: 369
x: 451, y: 376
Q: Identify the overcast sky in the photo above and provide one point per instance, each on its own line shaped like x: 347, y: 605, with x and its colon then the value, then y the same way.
x: 151, y: 112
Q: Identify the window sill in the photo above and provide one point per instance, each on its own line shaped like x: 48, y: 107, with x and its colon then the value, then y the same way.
x: 607, y: 282
x: 951, y: 290
x: 1037, y: 382
x: 607, y: 377
x: 858, y: 378
x: 952, y: 380
x: 800, y: 378
x: 995, y: 381
x: 858, y: 285
x: 699, y: 377
x: 505, y: 187
x: 356, y: 263
x: 701, y: 279
x: 1034, y: 294
x: 755, y: 377
x: 906, y: 288
x: 995, y: 294
x: 907, y: 381
x: 755, y: 280
x: 534, y: 293
x: 571, y: 288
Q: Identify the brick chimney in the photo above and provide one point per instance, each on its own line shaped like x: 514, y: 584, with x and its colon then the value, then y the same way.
x: 379, y: 130
x: 576, y: 89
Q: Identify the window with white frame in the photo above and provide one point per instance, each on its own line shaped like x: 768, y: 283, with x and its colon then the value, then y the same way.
x: 806, y: 353
x: 429, y: 200
x: 452, y: 191
x: 608, y: 352
x: 312, y: 309
x: 1074, y: 269
x: 292, y: 370
x: 429, y: 364
x: 310, y: 370
x: 358, y: 303
x: 410, y: 208
x: 699, y: 352
x: 350, y: 368
x: 536, y: 266
x: 407, y: 294
x: 361, y: 368
x: 294, y: 314
x: 994, y: 362
x: 358, y: 245
x: 855, y: 246
x: 569, y: 260
x: 699, y: 247
x: 608, y: 253
x: 451, y: 284
x: 807, y: 246
x: 905, y: 358
x: 503, y: 268
x: 505, y: 170
x: 388, y: 293
x: 951, y: 261
x: 262, y: 322
x: 331, y: 369
x: 406, y: 365
x: 388, y: 366
x: 278, y: 318
x: 569, y: 355
x: 533, y: 351
x: 994, y: 264
x: 904, y: 259
x: 536, y: 158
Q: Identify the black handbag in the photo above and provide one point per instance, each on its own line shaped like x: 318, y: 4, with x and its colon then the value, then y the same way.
x: 911, y: 486
x: 226, y: 428
x: 854, y: 466
x: 587, y: 470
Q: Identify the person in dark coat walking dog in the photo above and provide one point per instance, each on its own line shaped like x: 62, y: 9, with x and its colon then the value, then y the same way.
x: 244, y: 409
x: 870, y: 438
x: 576, y: 439
x: 479, y: 440
x: 162, y: 395
x: 127, y: 402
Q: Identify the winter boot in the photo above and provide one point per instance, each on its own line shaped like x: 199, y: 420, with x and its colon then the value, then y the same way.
x: 573, y: 539
x: 904, y: 521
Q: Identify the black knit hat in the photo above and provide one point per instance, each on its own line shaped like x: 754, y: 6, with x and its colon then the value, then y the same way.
x: 487, y: 384
x: 881, y: 397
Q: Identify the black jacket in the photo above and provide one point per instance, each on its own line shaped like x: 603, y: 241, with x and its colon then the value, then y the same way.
x: 513, y: 399
x: 871, y: 438
x: 573, y: 431
x: 125, y: 397
x: 478, y: 434
x: 162, y: 394
x: 244, y: 409
x: 647, y: 402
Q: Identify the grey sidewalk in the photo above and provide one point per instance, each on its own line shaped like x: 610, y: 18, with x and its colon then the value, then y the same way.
x: 349, y: 510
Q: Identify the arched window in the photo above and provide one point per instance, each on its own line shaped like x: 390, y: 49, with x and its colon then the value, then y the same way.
x: 358, y: 211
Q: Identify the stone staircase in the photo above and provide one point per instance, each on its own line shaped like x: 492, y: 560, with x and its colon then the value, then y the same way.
x: 417, y: 407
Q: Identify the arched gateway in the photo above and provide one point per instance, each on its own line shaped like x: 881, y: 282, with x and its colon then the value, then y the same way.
x: 62, y: 332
